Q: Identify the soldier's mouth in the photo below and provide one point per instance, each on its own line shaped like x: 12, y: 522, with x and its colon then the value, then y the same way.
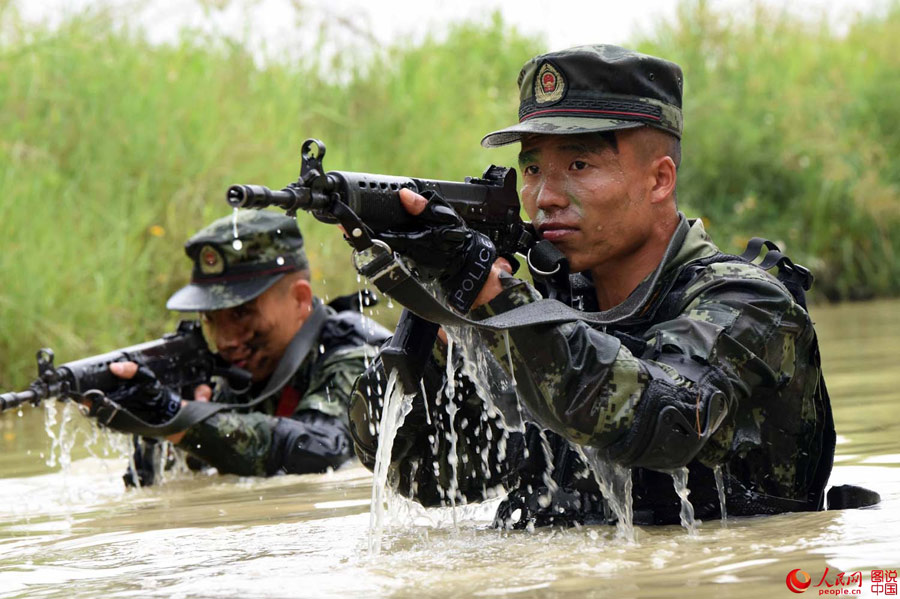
x: 560, y: 234
x: 244, y: 360
x: 243, y: 356
x: 556, y: 232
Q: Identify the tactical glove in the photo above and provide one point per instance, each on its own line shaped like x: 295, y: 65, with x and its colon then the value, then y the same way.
x: 146, y: 398
x: 442, y: 247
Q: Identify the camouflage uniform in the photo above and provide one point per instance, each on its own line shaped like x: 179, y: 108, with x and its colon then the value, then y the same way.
x: 302, y: 425
x: 717, y: 370
x: 716, y: 328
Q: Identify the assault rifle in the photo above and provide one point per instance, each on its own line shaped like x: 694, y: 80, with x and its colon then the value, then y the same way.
x: 366, y: 204
x: 180, y: 360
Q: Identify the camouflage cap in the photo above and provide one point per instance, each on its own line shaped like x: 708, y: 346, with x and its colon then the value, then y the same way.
x: 588, y: 89
x: 237, y: 258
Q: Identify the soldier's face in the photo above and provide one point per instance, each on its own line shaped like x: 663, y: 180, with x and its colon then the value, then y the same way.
x: 255, y: 335
x: 586, y: 197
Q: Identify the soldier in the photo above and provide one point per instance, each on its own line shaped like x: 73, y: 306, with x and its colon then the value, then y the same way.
x: 251, y: 286
x: 682, y: 357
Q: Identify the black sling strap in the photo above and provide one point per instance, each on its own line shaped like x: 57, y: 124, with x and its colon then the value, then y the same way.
x: 393, y: 278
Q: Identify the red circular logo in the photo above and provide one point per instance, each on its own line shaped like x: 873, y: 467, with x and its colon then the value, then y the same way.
x: 548, y: 82
x: 797, y: 580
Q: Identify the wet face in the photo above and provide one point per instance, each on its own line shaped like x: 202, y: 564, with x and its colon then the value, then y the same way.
x: 255, y: 335
x: 587, y: 197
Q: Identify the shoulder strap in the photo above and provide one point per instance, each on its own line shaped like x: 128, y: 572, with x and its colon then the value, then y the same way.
x: 798, y: 279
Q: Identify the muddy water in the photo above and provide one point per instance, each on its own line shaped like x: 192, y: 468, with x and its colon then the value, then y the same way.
x: 79, y: 533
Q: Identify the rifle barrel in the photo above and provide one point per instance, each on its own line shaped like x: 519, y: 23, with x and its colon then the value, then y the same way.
x: 257, y: 196
x: 12, y: 400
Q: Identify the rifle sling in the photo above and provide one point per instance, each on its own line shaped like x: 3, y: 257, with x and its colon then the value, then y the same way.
x: 192, y: 412
x: 393, y: 278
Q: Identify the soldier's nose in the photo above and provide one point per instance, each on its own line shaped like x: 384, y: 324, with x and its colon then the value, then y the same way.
x: 231, y: 336
x: 550, y: 196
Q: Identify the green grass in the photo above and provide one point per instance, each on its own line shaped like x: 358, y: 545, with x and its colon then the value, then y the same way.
x: 113, y: 151
x: 791, y: 133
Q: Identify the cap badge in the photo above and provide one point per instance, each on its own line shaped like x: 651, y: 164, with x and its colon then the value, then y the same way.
x: 549, y: 84
x: 211, y: 261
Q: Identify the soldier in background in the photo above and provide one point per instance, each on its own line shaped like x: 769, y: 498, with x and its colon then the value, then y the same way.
x: 254, y: 296
x: 692, y: 359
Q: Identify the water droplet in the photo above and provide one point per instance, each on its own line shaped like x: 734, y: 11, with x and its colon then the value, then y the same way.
x: 237, y: 245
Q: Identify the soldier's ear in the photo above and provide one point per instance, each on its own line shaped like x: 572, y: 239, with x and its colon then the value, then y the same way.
x: 665, y: 175
x: 301, y: 291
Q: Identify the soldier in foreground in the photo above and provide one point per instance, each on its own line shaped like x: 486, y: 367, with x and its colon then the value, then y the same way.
x: 257, y: 304
x: 683, y: 357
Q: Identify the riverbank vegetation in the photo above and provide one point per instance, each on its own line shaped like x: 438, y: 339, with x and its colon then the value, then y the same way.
x: 114, y: 150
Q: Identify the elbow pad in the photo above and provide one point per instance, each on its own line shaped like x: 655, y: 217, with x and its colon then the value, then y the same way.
x: 310, y: 442
x: 363, y: 427
x: 664, y: 433
x: 366, y: 402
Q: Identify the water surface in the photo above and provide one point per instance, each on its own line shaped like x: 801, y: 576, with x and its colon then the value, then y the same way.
x: 77, y: 532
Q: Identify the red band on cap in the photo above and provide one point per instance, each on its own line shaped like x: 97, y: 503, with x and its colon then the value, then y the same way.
x: 244, y: 275
x: 582, y: 110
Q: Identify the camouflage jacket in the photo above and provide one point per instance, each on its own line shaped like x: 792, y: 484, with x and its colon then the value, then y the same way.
x: 719, y: 371
x: 310, y: 433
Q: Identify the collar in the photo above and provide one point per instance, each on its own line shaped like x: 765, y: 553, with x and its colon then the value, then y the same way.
x: 696, y: 244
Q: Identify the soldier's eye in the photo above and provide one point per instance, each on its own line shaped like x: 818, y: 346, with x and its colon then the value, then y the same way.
x: 531, y: 169
x: 579, y: 165
x: 239, y: 312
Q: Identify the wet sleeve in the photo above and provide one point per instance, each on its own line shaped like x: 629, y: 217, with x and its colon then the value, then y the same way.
x: 734, y: 333
x: 256, y: 444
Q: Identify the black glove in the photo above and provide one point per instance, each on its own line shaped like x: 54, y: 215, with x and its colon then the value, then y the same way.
x: 444, y: 248
x: 146, y: 398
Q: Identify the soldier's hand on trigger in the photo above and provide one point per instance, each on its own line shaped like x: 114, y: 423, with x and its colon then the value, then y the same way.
x: 416, y: 204
x: 128, y: 370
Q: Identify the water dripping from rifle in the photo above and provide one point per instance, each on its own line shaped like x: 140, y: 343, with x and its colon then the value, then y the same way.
x: 236, y: 244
